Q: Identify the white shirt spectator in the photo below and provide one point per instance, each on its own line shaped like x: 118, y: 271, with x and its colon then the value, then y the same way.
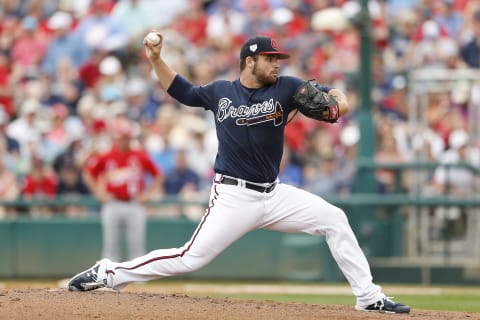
x: 225, y: 22
x: 459, y: 180
x: 137, y: 16
x: 26, y: 128
x: 168, y: 11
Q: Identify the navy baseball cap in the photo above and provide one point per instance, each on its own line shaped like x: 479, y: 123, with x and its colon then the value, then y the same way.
x: 261, y: 45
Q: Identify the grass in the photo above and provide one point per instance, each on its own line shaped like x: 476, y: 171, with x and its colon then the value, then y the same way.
x: 426, y: 302
x: 447, y: 298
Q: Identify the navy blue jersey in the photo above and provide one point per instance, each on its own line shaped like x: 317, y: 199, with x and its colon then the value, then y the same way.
x: 250, y: 123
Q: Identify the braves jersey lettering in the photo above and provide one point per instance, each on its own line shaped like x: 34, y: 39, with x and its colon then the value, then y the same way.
x: 276, y: 117
x: 226, y: 109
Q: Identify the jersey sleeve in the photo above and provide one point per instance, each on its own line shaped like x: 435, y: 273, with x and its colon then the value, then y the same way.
x: 185, y: 92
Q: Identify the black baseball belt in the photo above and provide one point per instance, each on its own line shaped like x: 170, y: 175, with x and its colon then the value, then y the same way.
x: 248, y: 185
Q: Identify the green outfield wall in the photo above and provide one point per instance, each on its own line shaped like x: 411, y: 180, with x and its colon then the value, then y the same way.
x: 60, y: 247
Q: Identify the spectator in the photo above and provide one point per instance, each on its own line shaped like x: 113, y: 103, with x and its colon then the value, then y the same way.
x: 70, y: 188
x: 200, y: 155
x: 9, y: 186
x: 117, y: 179
x: 40, y: 184
x: 425, y: 52
x: 29, y: 48
x: 72, y: 155
x: 290, y: 20
x: 17, y: 162
x: 322, y: 176
x: 455, y: 180
x: 140, y: 108
x: 64, y: 86
x: 347, y: 155
x: 224, y: 25
x: 257, y: 18
x: 12, y: 144
x: 26, y: 127
x: 58, y: 135
x: 320, y: 144
x: 12, y: 8
x: 183, y: 182
x: 296, y: 133
x: 396, y: 53
x: 290, y: 172
x: 112, y: 77
x: 395, y: 104
x: 89, y: 70
x: 470, y: 52
x: 98, y: 29
x: 388, y: 152
x: 395, y: 6
x: 157, y: 141
x: 449, y: 18
x: 62, y: 44
x: 182, y: 179
x: 192, y: 24
x: 7, y: 83
x: 450, y: 54
x: 170, y: 10
x: 443, y: 116
x: 425, y: 28
x: 136, y: 15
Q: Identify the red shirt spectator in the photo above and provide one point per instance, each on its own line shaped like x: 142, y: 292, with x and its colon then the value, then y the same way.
x: 296, y: 134
x: 89, y: 72
x: 40, y: 182
x: 30, y: 47
x: 428, y: 30
x: 6, y: 90
x: 193, y: 24
x: 122, y: 170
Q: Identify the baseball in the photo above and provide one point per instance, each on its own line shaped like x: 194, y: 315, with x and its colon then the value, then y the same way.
x: 153, y: 38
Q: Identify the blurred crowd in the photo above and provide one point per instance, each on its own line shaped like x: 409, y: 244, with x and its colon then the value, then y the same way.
x: 69, y: 69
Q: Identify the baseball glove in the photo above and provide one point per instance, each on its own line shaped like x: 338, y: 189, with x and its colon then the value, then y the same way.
x: 314, y: 103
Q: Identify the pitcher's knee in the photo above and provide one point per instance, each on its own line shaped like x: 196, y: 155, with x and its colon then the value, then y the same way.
x: 338, y: 216
x: 192, y: 263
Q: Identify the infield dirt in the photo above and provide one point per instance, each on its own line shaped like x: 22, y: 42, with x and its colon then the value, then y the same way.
x: 55, y: 303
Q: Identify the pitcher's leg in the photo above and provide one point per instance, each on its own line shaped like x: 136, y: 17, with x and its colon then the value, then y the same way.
x: 229, y: 216
x: 351, y: 260
x: 296, y: 210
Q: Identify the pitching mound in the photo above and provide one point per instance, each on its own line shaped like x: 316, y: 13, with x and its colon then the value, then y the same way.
x: 47, y: 304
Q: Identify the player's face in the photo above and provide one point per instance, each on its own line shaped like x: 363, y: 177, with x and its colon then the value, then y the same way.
x: 266, y: 69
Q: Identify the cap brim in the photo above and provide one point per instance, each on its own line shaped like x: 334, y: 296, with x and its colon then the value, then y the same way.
x: 280, y: 55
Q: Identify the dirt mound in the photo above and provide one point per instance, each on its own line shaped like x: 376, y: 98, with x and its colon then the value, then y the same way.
x: 45, y: 303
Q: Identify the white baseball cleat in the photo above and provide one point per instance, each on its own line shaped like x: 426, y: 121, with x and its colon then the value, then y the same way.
x: 385, y: 305
x: 90, y: 279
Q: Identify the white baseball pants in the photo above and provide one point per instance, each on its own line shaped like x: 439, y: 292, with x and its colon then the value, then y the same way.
x: 234, y: 211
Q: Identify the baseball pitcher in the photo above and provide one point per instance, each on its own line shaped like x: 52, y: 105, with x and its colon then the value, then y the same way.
x: 250, y: 117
